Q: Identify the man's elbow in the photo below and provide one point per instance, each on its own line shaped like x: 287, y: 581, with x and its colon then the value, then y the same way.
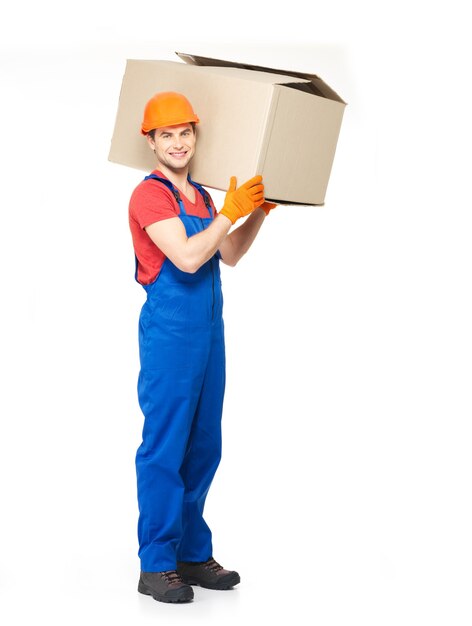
x: 231, y: 262
x: 188, y: 266
x: 231, y: 259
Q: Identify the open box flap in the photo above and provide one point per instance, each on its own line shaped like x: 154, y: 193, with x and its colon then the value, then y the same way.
x: 253, y: 76
x: 319, y: 87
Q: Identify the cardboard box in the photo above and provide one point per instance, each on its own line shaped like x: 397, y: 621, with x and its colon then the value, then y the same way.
x: 253, y: 120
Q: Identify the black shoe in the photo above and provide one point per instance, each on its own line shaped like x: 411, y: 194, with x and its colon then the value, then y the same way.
x: 165, y: 586
x: 209, y: 574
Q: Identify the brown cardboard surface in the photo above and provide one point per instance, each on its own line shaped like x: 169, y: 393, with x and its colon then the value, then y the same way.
x: 302, y: 172
x: 252, y: 121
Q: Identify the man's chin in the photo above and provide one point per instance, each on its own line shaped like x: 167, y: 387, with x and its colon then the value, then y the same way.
x: 176, y: 168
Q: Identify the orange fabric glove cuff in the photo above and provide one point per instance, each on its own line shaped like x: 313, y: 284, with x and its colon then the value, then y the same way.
x: 267, y: 207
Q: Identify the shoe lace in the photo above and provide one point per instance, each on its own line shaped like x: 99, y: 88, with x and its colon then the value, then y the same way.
x: 213, y: 566
x: 171, y: 576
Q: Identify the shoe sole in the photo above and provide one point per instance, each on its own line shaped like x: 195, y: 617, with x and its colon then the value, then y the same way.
x: 222, y: 586
x: 148, y: 592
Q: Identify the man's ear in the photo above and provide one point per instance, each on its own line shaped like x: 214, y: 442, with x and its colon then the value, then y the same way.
x: 151, y: 142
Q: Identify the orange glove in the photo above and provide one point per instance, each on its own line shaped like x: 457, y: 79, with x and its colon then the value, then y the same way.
x: 267, y: 207
x: 243, y: 200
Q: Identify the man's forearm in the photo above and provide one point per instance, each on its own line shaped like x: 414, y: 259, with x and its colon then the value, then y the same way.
x: 238, y: 242
x: 202, y: 246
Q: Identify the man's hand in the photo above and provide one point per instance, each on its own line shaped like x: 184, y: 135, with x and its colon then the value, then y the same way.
x: 243, y: 200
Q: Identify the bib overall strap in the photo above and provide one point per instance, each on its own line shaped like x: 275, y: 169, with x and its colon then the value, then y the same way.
x: 170, y: 186
x: 204, y: 193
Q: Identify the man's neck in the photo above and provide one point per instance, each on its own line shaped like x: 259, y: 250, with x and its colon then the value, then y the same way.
x: 178, y: 179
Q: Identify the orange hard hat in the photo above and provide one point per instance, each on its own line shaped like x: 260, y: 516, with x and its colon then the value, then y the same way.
x: 167, y: 108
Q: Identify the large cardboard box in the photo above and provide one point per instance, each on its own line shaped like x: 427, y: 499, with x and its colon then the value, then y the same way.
x: 253, y: 120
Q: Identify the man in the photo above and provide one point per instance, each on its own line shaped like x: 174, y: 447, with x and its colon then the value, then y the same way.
x: 179, y: 239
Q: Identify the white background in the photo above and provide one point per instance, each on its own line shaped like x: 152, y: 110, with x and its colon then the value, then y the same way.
x: 344, y: 492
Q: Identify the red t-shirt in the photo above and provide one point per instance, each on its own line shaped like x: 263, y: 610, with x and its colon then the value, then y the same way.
x: 151, y: 202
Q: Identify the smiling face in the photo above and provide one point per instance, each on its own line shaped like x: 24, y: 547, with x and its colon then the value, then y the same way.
x: 174, y: 146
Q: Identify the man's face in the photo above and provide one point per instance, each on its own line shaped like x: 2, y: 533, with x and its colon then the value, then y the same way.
x: 174, y: 145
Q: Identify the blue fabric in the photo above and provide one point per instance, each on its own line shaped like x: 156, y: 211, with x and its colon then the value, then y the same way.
x: 180, y: 390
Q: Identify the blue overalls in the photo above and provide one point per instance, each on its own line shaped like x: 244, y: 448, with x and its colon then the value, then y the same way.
x: 180, y: 390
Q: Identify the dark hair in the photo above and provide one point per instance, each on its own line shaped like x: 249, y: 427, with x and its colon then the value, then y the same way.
x: 152, y: 132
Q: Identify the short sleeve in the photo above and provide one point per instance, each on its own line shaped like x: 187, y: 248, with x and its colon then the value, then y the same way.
x: 151, y: 202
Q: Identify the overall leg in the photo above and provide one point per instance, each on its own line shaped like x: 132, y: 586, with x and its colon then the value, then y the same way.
x: 168, y: 393
x: 203, y: 454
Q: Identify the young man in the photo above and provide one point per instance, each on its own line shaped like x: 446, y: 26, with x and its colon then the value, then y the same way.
x: 179, y: 239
